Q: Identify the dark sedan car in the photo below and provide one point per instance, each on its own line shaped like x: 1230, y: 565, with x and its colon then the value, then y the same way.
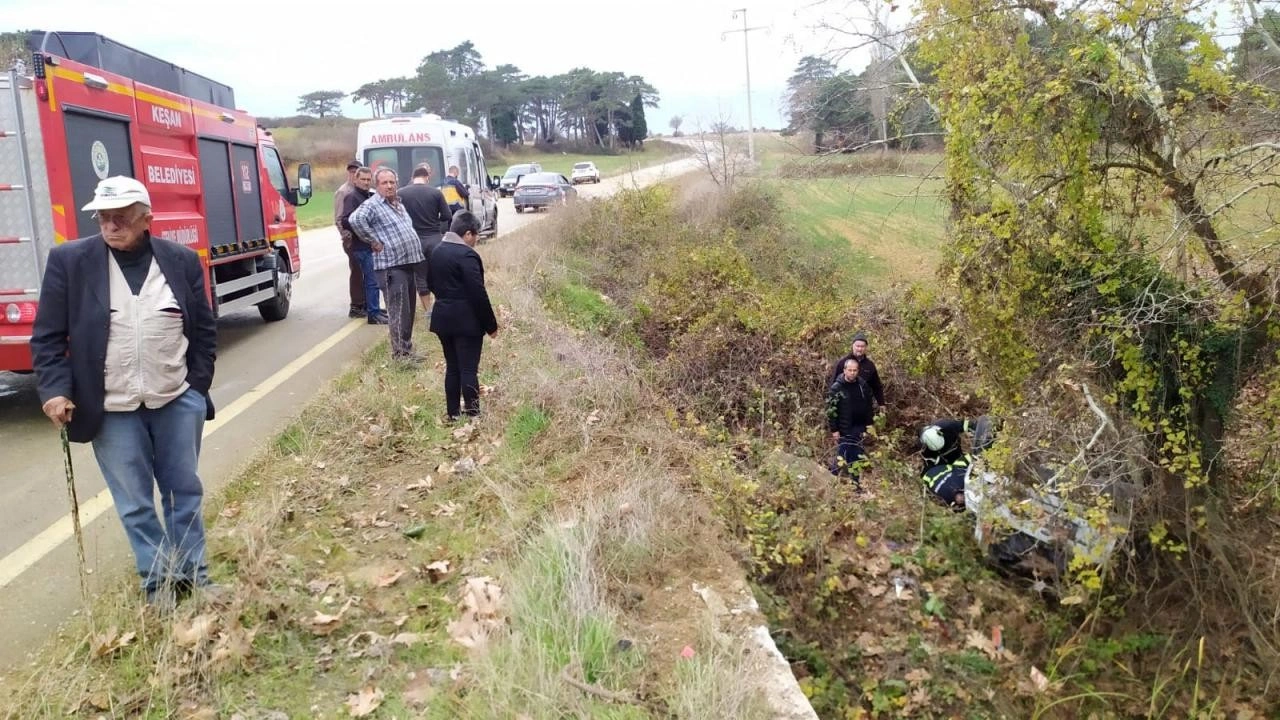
x: 543, y: 189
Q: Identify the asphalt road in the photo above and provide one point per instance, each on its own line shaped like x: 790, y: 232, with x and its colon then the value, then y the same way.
x: 265, y: 374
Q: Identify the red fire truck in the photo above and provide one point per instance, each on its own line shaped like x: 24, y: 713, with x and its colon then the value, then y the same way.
x: 88, y: 108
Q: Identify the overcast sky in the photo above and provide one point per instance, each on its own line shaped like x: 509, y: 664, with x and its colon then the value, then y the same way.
x: 271, y: 52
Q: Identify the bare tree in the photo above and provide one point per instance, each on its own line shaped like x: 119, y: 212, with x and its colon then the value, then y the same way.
x: 719, y: 152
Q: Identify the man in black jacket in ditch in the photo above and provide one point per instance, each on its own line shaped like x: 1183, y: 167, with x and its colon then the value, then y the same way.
x: 866, y: 369
x: 463, y: 314
x: 849, y: 412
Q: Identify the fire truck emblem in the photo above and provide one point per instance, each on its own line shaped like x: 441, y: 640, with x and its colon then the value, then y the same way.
x: 101, y: 161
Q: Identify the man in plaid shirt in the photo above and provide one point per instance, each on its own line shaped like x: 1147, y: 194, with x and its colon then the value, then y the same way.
x: 384, y: 224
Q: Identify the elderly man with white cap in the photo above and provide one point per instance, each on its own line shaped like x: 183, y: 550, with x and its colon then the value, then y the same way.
x: 123, y: 350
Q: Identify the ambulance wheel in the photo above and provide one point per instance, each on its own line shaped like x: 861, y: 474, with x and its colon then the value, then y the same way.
x: 277, y: 308
x: 519, y: 209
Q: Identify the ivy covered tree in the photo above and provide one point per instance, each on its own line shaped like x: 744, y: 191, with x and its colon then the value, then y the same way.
x: 1103, y: 165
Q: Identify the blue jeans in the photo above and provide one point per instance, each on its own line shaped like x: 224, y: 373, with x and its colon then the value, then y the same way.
x: 849, y: 453
x: 141, y: 450
x: 364, y: 255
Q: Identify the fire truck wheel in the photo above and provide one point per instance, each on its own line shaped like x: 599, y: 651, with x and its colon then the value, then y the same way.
x: 277, y: 308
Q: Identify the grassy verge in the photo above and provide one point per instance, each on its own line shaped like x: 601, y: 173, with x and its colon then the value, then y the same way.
x: 536, y: 563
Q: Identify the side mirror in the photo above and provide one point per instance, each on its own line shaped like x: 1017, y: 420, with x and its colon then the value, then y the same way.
x: 304, y: 181
x: 495, y: 182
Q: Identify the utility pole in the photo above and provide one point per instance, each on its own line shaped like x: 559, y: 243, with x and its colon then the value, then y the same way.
x: 746, y: 51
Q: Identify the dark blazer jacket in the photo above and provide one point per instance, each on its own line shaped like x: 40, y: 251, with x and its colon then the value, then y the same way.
x: 456, y: 276
x: 69, y: 339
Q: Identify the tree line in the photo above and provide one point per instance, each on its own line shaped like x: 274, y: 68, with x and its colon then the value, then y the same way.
x: 582, y: 105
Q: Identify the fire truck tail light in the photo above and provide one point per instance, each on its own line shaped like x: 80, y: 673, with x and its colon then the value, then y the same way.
x: 95, y: 81
x: 20, y: 313
x: 42, y: 91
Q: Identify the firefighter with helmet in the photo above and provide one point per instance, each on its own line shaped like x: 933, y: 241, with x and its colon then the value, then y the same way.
x: 946, y: 465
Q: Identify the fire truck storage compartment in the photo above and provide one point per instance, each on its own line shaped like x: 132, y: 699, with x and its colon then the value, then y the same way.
x: 98, y: 148
x: 100, y: 52
x: 231, y: 194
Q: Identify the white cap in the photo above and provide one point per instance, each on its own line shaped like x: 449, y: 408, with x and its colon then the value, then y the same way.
x: 117, y: 192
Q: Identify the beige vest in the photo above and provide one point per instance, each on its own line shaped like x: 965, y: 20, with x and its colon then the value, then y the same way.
x: 146, y: 349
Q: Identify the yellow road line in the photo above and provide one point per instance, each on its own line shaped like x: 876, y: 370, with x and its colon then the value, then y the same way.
x: 48, y: 540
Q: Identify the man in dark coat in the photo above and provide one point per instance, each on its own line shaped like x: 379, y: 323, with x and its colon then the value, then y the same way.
x: 360, y: 249
x: 462, y: 314
x: 123, y: 350
x: 431, y: 217
x: 867, y: 369
x: 849, y: 412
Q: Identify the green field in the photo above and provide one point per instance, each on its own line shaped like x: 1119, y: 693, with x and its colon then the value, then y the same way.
x: 318, y: 212
x: 886, y: 209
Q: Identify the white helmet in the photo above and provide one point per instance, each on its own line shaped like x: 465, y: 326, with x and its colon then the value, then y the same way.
x: 932, y: 438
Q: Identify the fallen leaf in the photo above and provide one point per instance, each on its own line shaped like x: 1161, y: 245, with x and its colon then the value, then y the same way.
x: 445, y: 509
x: 593, y: 417
x: 1038, y: 679
x: 438, y: 570
x: 918, y: 676
x: 319, y: 465
x: 464, y: 466
x: 425, y: 484
x: 408, y: 639
x: 401, y: 620
x: 389, y: 580
x: 409, y: 411
x: 109, y: 642
x: 194, y: 631
x: 98, y: 700
x: 363, y: 703
x: 869, y: 645
x: 1072, y: 600
x: 465, y: 432
x: 979, y: 641
x: 324, y: 624
x: 319, y: 585
x: 233, y: 647
x: 481, y: 605
x: 485, y: 390
x: 230, y: 511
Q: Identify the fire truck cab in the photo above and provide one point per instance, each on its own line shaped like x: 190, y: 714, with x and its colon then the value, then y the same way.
x: 402, y: 141
x: 88, y: 108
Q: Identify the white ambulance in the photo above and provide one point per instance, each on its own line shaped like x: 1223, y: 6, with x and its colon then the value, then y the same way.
x: 402, y: 141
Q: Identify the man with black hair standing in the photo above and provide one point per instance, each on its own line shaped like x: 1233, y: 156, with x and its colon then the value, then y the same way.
x: 462, y: 315
x: 849, y: 412
x: 866, y: 368
x: 431, y: 217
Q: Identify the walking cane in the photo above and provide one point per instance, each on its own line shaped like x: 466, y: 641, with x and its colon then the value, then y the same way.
x: 75, y: 517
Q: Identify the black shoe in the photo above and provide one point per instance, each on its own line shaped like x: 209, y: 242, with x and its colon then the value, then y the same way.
x: 357, y: 312
x: 380, y: 319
